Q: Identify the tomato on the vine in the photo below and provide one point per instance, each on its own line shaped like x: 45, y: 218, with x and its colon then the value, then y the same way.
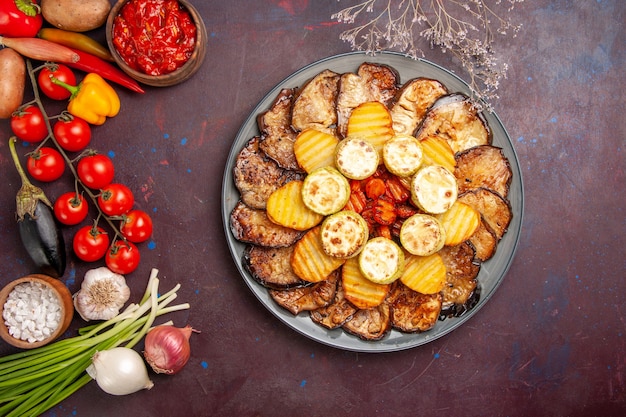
x: 71, y: 208
x: 95, y: 171
x: 90, y: 243
x: 116, y: 199
x: 136, y: 226
x: 123, y: 257
x: 45, y: 164
x: 72, y: 133
x: 60, y: 72
x: 29, y: 124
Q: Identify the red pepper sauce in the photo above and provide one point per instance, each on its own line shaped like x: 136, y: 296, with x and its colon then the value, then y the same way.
x: 155, y: 37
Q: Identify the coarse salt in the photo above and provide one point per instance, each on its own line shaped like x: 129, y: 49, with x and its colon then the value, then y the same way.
x: 32, y: 312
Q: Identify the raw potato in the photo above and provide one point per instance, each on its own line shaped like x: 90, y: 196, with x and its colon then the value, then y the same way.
x: 76, y: 15
x: 12, y: 81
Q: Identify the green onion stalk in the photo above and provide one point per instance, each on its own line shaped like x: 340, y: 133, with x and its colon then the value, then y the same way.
x: 36, y: 380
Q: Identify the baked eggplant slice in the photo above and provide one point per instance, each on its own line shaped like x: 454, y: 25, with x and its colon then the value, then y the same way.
x: 457, y: 120
x: 336, y: 313
x: 494, y: 209
x: 257, y: 176
x: 461, y: 290
x: 412, y: 311
x: 277, y: 135
x: 483, y: 167
x: 411, y: 103
x: 372, y: 82
x: 371, y: 324
x: 251, y: 225
x: 271, y: 267
x: 314, y: 105
x: 484, y: 241
x: 308, y: 298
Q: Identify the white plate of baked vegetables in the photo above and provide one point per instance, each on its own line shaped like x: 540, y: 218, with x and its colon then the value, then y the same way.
x: 369, y: 205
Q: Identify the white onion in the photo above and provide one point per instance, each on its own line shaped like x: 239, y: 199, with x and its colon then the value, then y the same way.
x: 119, y: 371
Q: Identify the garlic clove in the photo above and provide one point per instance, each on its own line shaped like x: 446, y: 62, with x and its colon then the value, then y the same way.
x: 102, y: 294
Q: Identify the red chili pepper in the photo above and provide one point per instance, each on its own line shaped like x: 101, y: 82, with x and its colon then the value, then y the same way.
x: 91, y: 63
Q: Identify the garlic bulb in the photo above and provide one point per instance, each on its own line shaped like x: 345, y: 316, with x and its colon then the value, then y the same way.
x: 119, y: 371
x: 101, y: 295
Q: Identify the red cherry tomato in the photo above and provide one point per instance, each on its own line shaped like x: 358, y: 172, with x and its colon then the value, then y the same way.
x: 90, y: 243
x: 123, y: 257
x: 60, y: 72
x: 95, y: 171
x: 116, y: 199
x: 136, y: 226
x: 71, y: 208
x: 29, y: 124
x: 16, y: 23
x: 72, y: 133
x: 45, y: 164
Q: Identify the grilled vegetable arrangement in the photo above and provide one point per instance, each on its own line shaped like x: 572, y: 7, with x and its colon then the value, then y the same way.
x: 426, y: 201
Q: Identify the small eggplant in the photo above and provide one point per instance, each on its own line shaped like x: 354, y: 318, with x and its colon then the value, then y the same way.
x: 38, y: 228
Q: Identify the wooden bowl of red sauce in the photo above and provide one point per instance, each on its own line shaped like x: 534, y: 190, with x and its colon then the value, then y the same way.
x: 157, y: 42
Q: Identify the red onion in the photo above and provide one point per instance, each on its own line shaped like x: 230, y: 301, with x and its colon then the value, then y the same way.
x: 167, y: 348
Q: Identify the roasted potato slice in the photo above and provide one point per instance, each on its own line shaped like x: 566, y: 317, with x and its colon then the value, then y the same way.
x: 371, y: 324
x: 336, y: 313
x: 309, y: 261
x: 483, y: 167
x: 286, y: 208
x: 277, y: 135
x: 424, y: 274
x: 308, y: 298
x: 437, y: 151
x: 460, y: 222
x: 257, y: 176
x: 314, y: 105
x: 250, y: 225
x: 410, y: 104
x: 315, y: 149
x: 271, y: 267
x: 360, y: 291
x: 494, y: 209
x: 412, y: 311
x: 372, y: 82
x: 456, y: 119
x: 461, y: 291
x: 371, y: 121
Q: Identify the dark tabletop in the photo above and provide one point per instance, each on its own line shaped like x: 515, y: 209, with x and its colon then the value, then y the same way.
x: 552, y: 339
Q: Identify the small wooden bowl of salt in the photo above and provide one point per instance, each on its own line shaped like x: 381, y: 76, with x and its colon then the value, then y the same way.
x: 36, y: 309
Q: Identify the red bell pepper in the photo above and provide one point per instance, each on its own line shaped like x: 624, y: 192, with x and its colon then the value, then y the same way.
x: 20, y: 18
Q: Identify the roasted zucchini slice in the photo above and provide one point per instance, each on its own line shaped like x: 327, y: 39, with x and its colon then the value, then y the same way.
x: 381, y: 260
x: 434, y: 189
x: 403, y: 155
x: 422, y: 234
x: 356, y: 158
x: 325, y: 191
x: 344, y: 234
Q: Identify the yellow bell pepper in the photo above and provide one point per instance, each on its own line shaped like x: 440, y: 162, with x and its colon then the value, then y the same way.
x: 92, y: 100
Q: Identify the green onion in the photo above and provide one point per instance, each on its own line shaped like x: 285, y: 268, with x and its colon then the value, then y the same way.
x: 36, y: 380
